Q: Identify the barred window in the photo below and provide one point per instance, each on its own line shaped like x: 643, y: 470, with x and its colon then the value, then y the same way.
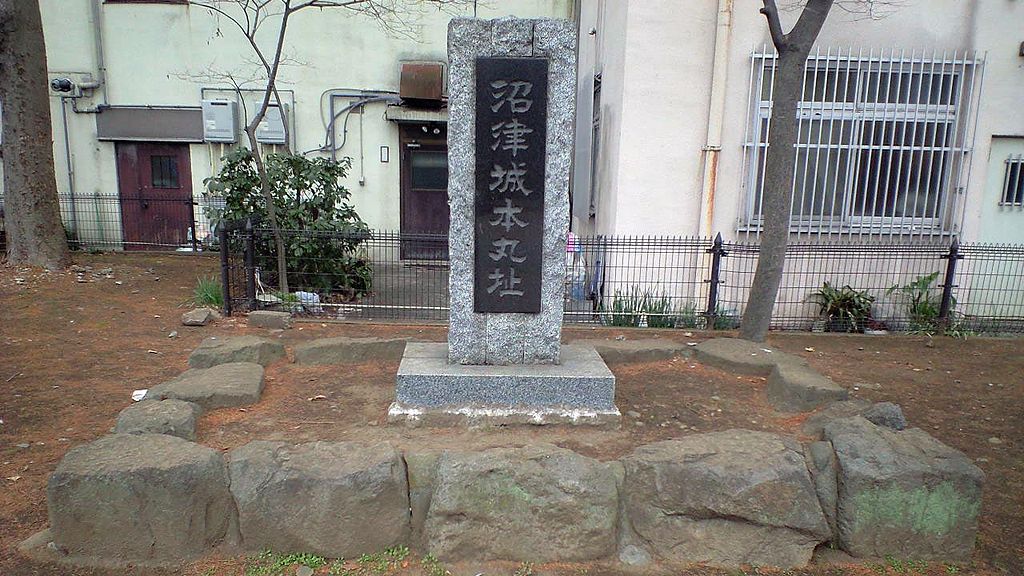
x: 882, y: 142
x: 1013, y: 181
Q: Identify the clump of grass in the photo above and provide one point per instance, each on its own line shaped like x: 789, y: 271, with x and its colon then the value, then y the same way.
x: 268, y: 563
x: 524, y: 569
x: 433, y: 567
x: 208, y: 293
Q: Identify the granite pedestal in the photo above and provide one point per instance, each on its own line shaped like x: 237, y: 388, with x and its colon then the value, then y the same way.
x: 432, y: 391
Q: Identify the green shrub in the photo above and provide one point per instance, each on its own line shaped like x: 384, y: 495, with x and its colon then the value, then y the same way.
x: 308, y: 195
x: 922, y: 302
x: 845, y: 309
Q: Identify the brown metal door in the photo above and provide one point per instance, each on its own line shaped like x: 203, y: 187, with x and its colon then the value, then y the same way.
x: 155, y: 184
x: 424, y: 194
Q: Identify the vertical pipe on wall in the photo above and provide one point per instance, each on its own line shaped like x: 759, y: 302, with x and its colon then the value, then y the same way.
x: 70, y: 168
x: 716, y: 120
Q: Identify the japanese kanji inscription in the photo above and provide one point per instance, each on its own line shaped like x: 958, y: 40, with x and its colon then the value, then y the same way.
x: 511, y: 130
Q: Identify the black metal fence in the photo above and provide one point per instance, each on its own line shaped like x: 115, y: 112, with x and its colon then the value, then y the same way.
x: 103, y: 221
x: 663, y: 282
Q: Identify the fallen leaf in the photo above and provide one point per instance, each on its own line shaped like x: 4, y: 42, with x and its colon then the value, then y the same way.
x: 14, y: 478
x: 809, y: 349
x: 317, y: 397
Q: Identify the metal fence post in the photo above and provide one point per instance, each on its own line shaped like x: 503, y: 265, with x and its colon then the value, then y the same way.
x: 250, y: 265
x: 717, y: 252
x: 946, y: 306
x: 225, y: 267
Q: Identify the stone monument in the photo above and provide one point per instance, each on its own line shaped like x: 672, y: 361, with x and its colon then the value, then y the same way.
x: 512, y: 86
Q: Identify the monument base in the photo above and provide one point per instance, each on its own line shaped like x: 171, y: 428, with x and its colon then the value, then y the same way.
x: 430, y: 391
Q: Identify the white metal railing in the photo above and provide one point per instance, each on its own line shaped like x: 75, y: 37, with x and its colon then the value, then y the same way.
x: 1013, y: 182
x: 883, y: 142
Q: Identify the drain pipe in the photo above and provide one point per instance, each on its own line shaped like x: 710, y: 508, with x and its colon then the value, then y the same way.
x: 716, y: 111
x: 70, y: 167
x: 101, y: 66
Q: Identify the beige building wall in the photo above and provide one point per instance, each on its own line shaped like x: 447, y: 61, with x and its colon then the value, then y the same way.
x: 162, y: 54
x: 656, y: 58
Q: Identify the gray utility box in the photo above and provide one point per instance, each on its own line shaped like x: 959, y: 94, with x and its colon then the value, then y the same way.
x: 271, y: 129
x: 220, y: 121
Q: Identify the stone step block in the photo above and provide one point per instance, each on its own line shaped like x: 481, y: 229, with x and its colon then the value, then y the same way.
x: 903, y: 494
x: 270, y: 319
x: 743, y: 356
x: 199, y: 317
x: 800, y: 388
x: 336, y: 499
x: 647, y: 350
x: 724, y: 499
x: 344, y: 350
x: 539, y: 503
x: 222, y: 350
x: 221, y: 386
x: 140, y: 498
x: 172, y: 417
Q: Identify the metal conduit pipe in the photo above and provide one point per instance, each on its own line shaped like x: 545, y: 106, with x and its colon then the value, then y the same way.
x: 716, y: 121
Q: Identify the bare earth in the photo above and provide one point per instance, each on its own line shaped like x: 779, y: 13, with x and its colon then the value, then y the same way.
x: 72, y: 352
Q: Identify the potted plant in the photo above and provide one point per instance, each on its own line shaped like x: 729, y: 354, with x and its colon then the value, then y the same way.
x: 843, y: 309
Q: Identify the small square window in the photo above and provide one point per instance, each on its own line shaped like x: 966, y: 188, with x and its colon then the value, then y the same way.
x: 1013, y: 182
x: 165, y: 171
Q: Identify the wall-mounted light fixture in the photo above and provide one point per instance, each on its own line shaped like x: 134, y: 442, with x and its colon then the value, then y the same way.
x: 385, y: 154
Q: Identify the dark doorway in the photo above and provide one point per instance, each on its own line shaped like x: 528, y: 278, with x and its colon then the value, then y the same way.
x: 155, y: 185
x: 424, y: 193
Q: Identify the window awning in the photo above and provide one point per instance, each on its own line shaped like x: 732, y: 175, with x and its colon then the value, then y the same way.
x: 405, y: 114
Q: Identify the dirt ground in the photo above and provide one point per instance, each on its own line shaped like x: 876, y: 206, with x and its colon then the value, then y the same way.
x: 74, y: 348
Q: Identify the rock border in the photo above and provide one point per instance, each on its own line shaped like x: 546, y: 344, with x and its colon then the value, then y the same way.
x: 762, y: 497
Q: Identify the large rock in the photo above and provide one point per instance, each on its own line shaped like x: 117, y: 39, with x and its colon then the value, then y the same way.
x: 724, y: 499
x: 743, y: 356
x: 140, y: 498
x: 800, y: 388
x: 538, y: 503
x: 886, y: 414
x: 903, y: 494
x: 218, y: 350
x: 883, y: 414
x: 336, y: 499
x: 343, y: 350
x: 821, y: 461
x: 814, y: 425
x: 173, y: 417
x: 222, y: 386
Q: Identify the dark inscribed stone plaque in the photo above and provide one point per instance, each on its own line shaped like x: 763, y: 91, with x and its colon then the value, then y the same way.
x: 511, y: 132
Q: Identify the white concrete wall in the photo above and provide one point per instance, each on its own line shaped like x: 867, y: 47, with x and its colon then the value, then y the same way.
x: 657, y: 57
x: 156, y: 54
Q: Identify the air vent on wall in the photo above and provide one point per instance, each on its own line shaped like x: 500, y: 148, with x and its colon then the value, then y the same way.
x: 422, y: 82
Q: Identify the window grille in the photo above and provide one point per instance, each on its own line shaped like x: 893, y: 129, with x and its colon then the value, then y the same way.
x: 1013, y: 182
x: 883, y: 142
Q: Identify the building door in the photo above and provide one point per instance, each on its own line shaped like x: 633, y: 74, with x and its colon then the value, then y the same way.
x: 155, y: 186
x: 424, y: 193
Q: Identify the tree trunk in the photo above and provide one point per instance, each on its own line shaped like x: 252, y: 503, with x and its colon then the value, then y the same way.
x: 275, y: 228
x: 777, y: 198
x: 35, y: 234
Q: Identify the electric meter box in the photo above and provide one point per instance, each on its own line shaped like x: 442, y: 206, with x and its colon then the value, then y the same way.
x: 220, y: 120
x: 271, y: 129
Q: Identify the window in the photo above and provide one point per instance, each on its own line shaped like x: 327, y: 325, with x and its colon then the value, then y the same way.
x: 1013, y: 182
x: 882, y: 142
x: 164, y: 171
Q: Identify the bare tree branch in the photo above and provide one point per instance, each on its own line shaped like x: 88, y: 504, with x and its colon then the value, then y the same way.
x: 771, y: 14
